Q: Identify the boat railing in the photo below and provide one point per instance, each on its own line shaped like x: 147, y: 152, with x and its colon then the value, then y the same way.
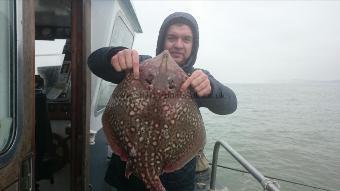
x: 266, y: 183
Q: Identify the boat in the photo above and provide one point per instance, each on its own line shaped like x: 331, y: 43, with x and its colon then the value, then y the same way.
x: 51, y: 132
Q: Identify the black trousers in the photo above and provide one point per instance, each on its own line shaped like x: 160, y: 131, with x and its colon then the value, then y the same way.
x: 180, y: 180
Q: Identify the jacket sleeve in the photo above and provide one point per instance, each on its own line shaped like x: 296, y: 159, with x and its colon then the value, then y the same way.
x: 99, y: 63
x: 222, y: 100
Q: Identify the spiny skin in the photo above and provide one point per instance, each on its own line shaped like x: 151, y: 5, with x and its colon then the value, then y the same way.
x: 151, y: 124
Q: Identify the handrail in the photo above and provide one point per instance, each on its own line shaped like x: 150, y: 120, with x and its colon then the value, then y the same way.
x: 266, y: 183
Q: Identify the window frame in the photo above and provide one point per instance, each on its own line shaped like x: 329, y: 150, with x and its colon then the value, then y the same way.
x: 15, y: 52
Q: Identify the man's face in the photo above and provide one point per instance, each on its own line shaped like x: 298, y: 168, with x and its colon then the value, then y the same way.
x: 178, y: 41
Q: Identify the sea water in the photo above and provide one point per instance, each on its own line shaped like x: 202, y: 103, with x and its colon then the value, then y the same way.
x: 289, y: 131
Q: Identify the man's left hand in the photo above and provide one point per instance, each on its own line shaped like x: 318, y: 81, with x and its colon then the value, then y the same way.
x: 200, y: 82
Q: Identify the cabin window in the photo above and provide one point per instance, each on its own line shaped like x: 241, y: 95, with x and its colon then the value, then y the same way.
x: 7, y: 74
x: 104, y: 94
x: 121, y: 36
x: 49, y: 59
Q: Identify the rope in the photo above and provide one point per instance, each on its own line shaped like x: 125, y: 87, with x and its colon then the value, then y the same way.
x: 271, y: 177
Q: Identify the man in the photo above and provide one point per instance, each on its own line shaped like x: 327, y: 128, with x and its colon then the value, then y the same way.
x: 179, y: 35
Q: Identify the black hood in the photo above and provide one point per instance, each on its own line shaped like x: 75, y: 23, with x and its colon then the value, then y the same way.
x: 185, y: 18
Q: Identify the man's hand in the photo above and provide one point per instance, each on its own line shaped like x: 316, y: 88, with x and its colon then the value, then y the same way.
x: 125, y: 60
x: 200, y: 82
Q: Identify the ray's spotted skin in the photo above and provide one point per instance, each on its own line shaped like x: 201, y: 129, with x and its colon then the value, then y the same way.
x: 150, y: 123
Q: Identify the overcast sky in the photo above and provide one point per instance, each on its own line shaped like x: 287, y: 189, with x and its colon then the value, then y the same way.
x: 255, y: 41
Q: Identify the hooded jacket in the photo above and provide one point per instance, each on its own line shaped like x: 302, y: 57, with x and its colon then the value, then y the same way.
x: 222, y: 100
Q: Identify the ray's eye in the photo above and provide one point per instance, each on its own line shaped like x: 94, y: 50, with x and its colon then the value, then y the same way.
x: 172, y: 84
x: 149, y: 79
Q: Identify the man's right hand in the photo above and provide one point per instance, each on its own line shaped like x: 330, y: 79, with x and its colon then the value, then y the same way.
x: 126, y: 59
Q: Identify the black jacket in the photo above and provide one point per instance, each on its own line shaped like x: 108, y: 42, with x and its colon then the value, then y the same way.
x: 222, y: 100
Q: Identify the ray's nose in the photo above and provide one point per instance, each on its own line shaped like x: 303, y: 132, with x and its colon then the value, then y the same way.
x: 164, y: 64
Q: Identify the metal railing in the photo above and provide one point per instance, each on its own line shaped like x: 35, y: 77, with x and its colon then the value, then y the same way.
x: 266, y: 183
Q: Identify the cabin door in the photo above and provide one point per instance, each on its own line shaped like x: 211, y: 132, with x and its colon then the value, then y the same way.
x: 16, y: 94
x: 68, y: 108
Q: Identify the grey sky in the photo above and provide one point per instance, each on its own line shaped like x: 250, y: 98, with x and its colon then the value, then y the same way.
x: 255, y: 41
